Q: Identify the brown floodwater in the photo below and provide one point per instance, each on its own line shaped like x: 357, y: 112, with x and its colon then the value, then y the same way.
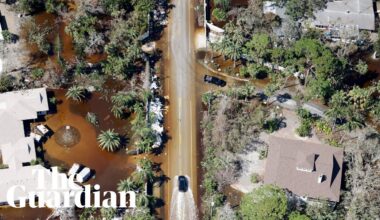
x: 58, y: 25
x: 109, y: 167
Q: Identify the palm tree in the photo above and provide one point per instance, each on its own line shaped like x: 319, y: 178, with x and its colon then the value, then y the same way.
x: 146, y: 138
x: 76, y: 93
x: 232, y: 43
x: 126, y: 185
x: 144, y: 172
x: 109, y: 140
x: 123, y: 99
x: 339, y: 106
x: 117, y: 111
x: 143, y: 200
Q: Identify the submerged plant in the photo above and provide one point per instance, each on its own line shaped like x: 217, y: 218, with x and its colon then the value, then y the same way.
x: 109, y: 140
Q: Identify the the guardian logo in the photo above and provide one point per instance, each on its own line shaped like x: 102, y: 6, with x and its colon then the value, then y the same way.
x: 58, y: 191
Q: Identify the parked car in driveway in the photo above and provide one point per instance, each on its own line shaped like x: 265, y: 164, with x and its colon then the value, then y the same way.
x: 214, y: 80
x: 183, y: 184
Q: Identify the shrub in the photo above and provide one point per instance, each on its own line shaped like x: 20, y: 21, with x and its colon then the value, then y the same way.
x: 92, y: 118
x: 8, y: 36
x: 298, y: 216
x: 266, y: 202
x: 6, y: 83
x: 37, y: 73
x: 272, y: 125
x: 307, y: 120
x: 304, y: 130
x: 263, y: 153
x: 219, y: 14
x: 255, y: 178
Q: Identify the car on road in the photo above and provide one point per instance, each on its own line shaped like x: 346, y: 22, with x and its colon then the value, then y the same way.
x: 214, y: 80
x: 183, y: 184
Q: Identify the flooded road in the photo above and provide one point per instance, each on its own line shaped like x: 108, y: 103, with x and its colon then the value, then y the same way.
x: 182, y: 116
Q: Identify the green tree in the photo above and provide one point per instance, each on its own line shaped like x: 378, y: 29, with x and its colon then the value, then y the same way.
x: 6, y: 83
x: 37, y: 73
x: 142, y: 200
x: 140, y: 213
x: 231, y: 45
x: 219, y: 14
x: 126, y: 185
x: 267, y: 202
x: 8, y: 36
x: 29, y: 6
x: 258, y: 48
x: 361, y: 67
x: 321, y: 211
x: 361, y: 98
x: 80, y: 29
x: 341, y: 108
x: 108, y: 213
x: 54, y: 6
x: 115, y: 7
x: 299, y: 9
x: 207, y: 98
x: 121, y: 102
x: 76, y: 93
x: 145, y: 172
x: 87, y: 213
x: 109, y: 140
x: 298, y: 216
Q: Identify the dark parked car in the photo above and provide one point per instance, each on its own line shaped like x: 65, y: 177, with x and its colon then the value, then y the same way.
x: 183, y: 185
x: 214, y: 80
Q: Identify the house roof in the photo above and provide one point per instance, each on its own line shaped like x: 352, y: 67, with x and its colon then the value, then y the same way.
x: 11, y: 129
x: 347, y: 12
x: 283, y: 169
x: 14, y: 155
x: 15, y: 107
x: 15, y: 148
x: 24, y: 104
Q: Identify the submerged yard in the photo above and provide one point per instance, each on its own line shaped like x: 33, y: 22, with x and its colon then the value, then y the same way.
x: 109, y: 167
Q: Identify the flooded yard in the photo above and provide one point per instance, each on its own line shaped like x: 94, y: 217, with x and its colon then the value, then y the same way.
x: 109, y: 167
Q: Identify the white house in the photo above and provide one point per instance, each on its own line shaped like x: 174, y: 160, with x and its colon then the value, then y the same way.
x: 16, y: 147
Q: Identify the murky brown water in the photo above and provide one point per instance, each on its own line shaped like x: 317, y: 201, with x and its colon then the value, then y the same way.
x: 109, y: 167
x: 58, y: 25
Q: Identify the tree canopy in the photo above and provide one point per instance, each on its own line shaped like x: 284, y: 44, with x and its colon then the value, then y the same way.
x: 267, y: 202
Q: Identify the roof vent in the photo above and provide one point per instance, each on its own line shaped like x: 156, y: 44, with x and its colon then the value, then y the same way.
x: 321, y: 178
